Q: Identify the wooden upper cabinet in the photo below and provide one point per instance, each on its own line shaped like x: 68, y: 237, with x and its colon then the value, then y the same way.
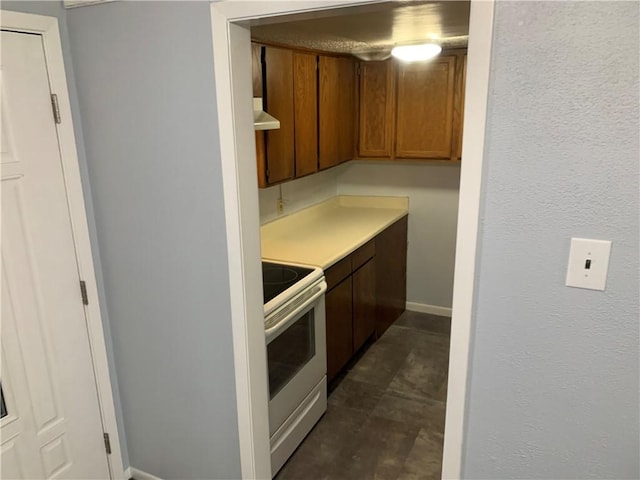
x: 305, y: 84
x: 278, y: 101
x: 458, y: 112
x: 346, y: 105
x: 261, y: 156
x: 336, y: 96
x: 424, y: 112
x: 328, y: 107
x: 256, y: 69
x: 376, y: 109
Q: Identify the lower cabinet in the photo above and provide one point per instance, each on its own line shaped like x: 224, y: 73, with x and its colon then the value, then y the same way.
x: 391, y: 271
x: 366, y: 293
x: 364, y: 303
x: 350, y: 306
x: 339, y: 311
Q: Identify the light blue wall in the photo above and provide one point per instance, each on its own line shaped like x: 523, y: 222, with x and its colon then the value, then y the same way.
x: 554, y: 373
x: 55, y: 9
x: 146, y: 87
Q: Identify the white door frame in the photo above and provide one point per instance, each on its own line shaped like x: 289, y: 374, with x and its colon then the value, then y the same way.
x: 233, y: 95
x: 47, y: 27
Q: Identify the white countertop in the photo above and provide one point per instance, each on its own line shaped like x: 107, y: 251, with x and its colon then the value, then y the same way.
x: 325, y: 233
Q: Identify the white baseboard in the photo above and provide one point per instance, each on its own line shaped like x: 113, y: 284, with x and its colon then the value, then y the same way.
x: 432, y: 309
x: 80, y: 3
x: 127, y: 474
x: 140, y: 475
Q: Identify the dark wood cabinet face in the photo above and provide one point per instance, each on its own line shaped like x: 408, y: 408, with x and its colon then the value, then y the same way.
x: 391, y: 274
x: 305, y: 82
x: 278, y: 102
x: 364, y: 304
x: 336, y: 103
x: 339, y: 312
x: 367, y: 293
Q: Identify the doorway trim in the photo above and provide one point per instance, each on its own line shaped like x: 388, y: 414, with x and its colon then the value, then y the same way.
x: 231, y: 51
x: 47, y: 28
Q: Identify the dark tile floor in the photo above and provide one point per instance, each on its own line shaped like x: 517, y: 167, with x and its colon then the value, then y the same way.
x: 385, y: 418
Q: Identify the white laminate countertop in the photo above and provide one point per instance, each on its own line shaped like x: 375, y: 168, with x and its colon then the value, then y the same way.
x: 325, y: 233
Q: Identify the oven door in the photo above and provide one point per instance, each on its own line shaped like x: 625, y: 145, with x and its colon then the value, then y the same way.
x: 296, y: 352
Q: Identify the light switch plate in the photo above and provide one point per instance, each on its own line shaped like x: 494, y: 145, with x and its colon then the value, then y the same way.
x: 588, y: 263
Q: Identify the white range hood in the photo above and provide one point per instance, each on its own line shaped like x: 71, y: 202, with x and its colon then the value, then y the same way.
x: 261, y: 119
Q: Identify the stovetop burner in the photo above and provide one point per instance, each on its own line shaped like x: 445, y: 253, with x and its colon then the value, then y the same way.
x: 276, y: 278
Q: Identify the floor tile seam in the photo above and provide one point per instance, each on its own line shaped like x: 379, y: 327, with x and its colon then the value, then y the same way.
x: 433, y: 401
x: 392, y: 374
x: 412, y: 439
x: 374, y: 386
x: 414, y: 396
x: 391, y: 340
x: 424, y: 330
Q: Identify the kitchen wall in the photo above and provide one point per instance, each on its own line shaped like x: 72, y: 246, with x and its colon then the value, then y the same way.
x: 433, y: 213
x: 146, y: 91
x: 298, y: 194
x: 554, y: 370
x: 55, y: 9
x: 433, y: 208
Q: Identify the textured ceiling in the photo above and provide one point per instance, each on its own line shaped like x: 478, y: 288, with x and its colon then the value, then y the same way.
x: 371, y: 28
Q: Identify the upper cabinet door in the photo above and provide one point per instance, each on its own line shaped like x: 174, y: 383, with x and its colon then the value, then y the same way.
x: 347, y: 107
x: 458, y: 118
x: 278, y: 101
x: 425, y: 108
x: 305, y: 81
x: 376, y: 109
x: 256, y: 69
x: 336, y: 110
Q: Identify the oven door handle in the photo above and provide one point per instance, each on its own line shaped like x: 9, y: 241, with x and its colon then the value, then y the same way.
x: 272, y: 332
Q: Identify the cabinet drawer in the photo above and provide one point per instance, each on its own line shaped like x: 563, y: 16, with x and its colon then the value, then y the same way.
x: 338, y: 272
x: 363, y: 254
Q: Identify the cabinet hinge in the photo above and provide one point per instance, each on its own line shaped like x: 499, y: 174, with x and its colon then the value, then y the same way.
x: 83, y: 292
x: 107, y: 443
x: 56, y: 108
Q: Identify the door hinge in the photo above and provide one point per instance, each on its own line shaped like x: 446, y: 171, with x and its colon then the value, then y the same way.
x: 83, y: 292
x: 107, y: 443
x: 56, y: 108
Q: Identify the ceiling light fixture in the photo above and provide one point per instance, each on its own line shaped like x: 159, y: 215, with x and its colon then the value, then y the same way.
x: 416, y: 53
x: 372, y: 55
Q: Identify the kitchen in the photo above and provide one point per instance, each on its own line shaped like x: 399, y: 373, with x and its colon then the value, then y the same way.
x: 328, y: 198
x: 173, y: 217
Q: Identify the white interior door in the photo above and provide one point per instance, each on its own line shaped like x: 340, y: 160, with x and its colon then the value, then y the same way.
x: 51, y: 427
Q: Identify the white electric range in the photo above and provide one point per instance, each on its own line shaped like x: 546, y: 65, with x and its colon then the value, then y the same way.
x: 294, y: 321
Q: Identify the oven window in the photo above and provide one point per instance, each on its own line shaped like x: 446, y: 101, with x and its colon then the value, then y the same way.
x: 290, y: 351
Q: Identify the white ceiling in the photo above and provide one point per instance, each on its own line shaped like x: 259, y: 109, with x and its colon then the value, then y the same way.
x: 370, y: 28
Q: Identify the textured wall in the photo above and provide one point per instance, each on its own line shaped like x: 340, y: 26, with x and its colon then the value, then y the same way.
x: 433, y: 209
x: 55, y: 9
x: 146, y: 87
x: 554, y: 373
